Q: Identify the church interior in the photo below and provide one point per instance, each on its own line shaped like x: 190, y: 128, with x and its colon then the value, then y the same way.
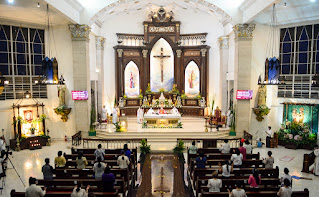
x: 159, y: 98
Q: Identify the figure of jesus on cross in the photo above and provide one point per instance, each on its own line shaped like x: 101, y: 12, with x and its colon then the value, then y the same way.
x: 162, y: 57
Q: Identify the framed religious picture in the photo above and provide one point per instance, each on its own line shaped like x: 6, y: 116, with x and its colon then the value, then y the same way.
x: 28, y: 115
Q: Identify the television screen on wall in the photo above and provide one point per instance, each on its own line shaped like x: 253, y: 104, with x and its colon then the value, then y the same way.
x: 244, y: 94
x: 80, y: 95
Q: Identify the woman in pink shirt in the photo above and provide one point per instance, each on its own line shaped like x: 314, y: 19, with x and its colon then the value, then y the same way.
x: 254, y: 180
x: 242, y: 150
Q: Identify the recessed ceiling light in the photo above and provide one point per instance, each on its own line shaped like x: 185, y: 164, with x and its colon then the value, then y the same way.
x: 312, y: 0
x: 10, y: 1
x: 285, y: 4
x: 38, y: 4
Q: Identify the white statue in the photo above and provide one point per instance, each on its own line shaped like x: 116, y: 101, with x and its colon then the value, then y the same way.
x: 145, y: 102
x: 121, y: 102
x: 140, y: 115
x: 61, y: 94
x: 104, y: 114
x: 203, y: 102
x: 229, y: 117
x: 150, y: 111
x: 175, y: 111
x: 178, y: 102
x: 114, y: 118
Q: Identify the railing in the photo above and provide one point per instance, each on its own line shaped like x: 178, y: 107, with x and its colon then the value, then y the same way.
x: 130, y: 39
x: 76, y: 139
x: 210, y: 143
x: 248, y: 136
x: 193, y: 39
x: 111, y: 143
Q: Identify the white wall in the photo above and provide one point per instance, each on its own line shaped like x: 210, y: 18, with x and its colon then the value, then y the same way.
x: 60, y: 48
x: 133, y: 23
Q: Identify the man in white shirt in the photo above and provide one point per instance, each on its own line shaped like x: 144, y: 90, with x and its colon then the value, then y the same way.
x: 268, y: 137
x: 33, y: 190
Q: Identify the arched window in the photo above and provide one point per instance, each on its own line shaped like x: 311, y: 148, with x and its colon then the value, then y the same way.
x: 21, y: 53
x: 37, y: 52
x: 4, y: 52
x: 162, y: 66
x: 303, y: 49
x: 132, y: 82
x: 286, y: 53
x: 192, y: 79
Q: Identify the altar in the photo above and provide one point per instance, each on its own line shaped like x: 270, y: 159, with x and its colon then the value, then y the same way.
x: 162, y: 118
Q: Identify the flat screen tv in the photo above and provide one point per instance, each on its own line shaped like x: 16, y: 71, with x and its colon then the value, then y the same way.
x: 80, y: 95
x: 244, y: 94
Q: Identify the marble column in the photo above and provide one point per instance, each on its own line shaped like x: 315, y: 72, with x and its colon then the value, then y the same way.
x: 81, y: 74
x: 178, y: 68
x: 203, y: 75
x: 100, y: 66
x: 224, y: 52
x: 242, y: 74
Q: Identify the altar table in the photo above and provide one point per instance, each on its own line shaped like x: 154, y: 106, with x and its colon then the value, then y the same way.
x: 162, y: 119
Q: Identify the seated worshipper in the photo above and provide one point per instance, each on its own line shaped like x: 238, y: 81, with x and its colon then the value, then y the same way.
x: 59, y: 161
x: 123, y: 160
x: 99, y: 152
x: 81, y: 161
x: 47, y: 170
x: 285, y: 191
x: 249, y: 148
x: 214, y: 184
x: 127, y: 151
x: 79, y: 192
x: 286, y: 175
x: 237, y: 158
x: 226, y: 169
x: 269, y: 161
x: 192, y: 148
x: 315, y: 166
x: 254, y: 179
x: 201, y: 161
x: 33, y: 190
x: 99, y: 168
x: 238, y: 192
x: 260, y: 143
x: 225, y: 148
x: 242, y: 150
x: 108, y: 180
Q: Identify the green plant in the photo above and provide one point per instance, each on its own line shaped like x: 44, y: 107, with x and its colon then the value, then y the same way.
x: 264, y: 110
x: 124, y: 96
x: 179, y: 124
x: 148, y: 89
x: 45, y: 136
x: 175, y: 90
x: 144, y: 148
x: 93, y: 118
x: 179, y: 149
x: 60, y: 108
x: 233, y: 121
x: 161, y: 90
x: 118, y: 127
x: 144, y: 124
x: 183, y: 96
x: 199, y: 96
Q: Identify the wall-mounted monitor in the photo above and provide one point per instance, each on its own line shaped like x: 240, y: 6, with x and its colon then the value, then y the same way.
x: 80, y: 95
x: 244, y: 94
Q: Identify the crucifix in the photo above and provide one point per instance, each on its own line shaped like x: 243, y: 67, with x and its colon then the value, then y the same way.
x: 161, y: 57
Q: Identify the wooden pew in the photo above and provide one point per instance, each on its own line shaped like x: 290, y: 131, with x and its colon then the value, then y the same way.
x: 220, y: 156
x: 65, y: 194
x: 304, y: 193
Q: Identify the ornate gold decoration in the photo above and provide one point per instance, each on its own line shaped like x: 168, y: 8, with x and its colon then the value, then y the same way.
x: 63, y: 112
x: 203, y: 51
x: 259, y: 114
x: 144, y: 53
x: 79, y: 31
x: 179, y: 53
x: 223, y: 42
x: 119, y: 52
x: 244, y: 30
x: 100, y: 41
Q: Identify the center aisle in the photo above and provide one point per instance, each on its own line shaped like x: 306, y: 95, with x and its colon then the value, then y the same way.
x: 161, y: 177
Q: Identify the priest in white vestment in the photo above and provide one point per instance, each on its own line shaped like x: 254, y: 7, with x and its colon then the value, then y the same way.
x: 104, y: 114
x: 315, y: 165
x: 114, y: 118
x: 140, y: 115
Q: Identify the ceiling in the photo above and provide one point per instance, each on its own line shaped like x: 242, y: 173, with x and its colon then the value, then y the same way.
x: 26, y: 11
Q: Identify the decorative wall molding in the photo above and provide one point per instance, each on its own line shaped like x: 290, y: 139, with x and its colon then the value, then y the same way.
x: 244, y: 30
x: 100, y: 41
x: 144, y: 53
x: 179, y: 53
x: 223, y: 42
x: 203, y: 51
x: 119, y: 52
x: 79, y: 31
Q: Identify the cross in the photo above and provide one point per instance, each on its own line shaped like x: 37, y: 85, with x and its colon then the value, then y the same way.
x: 161, y: 57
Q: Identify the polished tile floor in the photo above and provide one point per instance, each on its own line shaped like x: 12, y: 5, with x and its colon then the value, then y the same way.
x: 28, y: 163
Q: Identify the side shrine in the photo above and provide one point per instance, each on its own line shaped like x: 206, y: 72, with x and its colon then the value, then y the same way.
x: 162, y: 62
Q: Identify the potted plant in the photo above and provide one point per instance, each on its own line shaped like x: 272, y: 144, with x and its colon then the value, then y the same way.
x: 145, y: 149
x: 232, y: 130
x: 179, y: 151
x: 92, y: 131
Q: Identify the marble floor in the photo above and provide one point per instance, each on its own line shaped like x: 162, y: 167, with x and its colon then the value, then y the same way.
x: 28, y: 163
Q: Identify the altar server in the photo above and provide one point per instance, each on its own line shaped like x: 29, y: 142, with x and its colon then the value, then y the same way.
x: 315, y: 166
x: 114, y: 118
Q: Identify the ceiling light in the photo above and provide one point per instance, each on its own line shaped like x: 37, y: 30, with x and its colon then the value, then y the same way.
x: 285, y: 4
x: 27, y: 94
x: 312, y: 0
x: 10, y: 1
x: 38, y: 4
x: 6, y: 82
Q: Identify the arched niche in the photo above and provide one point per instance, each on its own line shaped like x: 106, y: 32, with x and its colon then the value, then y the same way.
x: 131, y: 78
x: 161, y: 66
x: 192, y: 79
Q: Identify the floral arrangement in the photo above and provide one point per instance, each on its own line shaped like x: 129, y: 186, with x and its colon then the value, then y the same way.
x: 144, y: 148
x: 183, y: 95
x: 199, y: 96
x: 298, y: 133
x: 144, y: 124
x: 175, y: 90
x: 264, y: 110
x: 118, y: 127
x: 148, y: 89
x: 162, y: 90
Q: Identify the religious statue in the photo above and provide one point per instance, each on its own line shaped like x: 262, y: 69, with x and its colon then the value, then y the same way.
x: 104, y: 114
x: 229, y: 117
x: 161, y: 100
x: 161, y: 111
x: 140, y: 115
x: 262, y: 95
x: 61, y: 94
x: 170, y: 101
x: 178, y: 102
x: 191, y: 79
x: 132, y: 81
x: 121, y: 102
x: 114, y: 114
x: 175, y: 111
x: 203, y: 102
x: 298, y: 117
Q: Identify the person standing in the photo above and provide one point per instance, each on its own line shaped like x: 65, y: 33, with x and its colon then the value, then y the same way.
x: 285, y: 191
x: 99, y: 168
x: 33, y: 190
x: 286, y: 175
x: 268, y: 137
x: 123, y: 160
x: 237, y: 158
x: 249, y: 148
x: 242, y: 150
x: 79, y: 192
x: 238, y: 192
x: 269, y: 161
x: 193, y: 148
x: 225, y: 148
x: 47, y: 170
x: 99, y: 153
x: 81, y: 161
x: 108, y: 179
x: 315, y: 166
x: 127, y: 151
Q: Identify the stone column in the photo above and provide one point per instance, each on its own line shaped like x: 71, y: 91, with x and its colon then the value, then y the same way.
x: 203, y: 75
x: 146, y: 72
x: 242, y: 78
x: 224, y: 52
x: 121, y: 73
x: 100, y: 66
x: 179, y: 69
x: 81, y: 74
